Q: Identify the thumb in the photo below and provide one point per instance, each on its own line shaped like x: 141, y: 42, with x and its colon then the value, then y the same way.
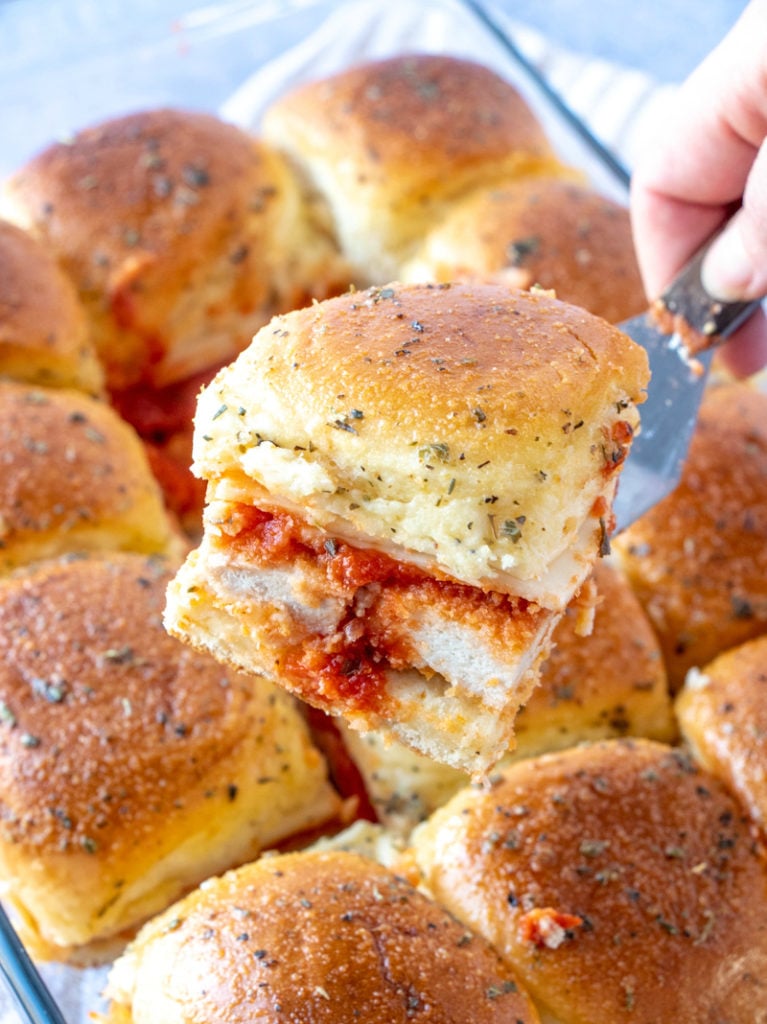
x: 735, y: 267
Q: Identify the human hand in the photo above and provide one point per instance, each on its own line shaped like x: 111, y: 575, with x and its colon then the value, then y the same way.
x: 709, y: 163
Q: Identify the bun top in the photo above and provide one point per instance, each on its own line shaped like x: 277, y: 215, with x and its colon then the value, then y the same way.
x: 43, y: 329
x: 619, y: 879
x: 723, y: 717
x: 471, y: 427
x: 112, y: 719
x: 325, y: 938
x: 540, y: 231
x: 698, y: 560
x: 610, y: 682
x: 131, y: 767
x: 74, y: 477
x: 414, y: 115
x: 139, y: 210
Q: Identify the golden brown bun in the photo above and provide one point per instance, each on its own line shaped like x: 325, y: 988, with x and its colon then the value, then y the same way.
x: 723, y: 717
x: 698, y: 560
x: 547, y: 231
x: 130, y: 767
x: 43, y: 329
x: 389, y: 143
x: 619, y: 880
x: 609, y: 683
x: 470, y: 428
x: 74, y: 478
x: 182, y: 234
x: 365, y: 446
x: 326, y: 938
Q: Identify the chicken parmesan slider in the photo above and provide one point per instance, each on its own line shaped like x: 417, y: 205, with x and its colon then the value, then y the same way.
x: 131, y: 767
x: 406, y: 486
x: 312, y: 937
x: 388, y: 146
x: 171, y: 225
x: 623, y: 883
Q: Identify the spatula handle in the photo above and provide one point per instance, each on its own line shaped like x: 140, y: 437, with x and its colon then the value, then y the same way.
x: 712, y: 319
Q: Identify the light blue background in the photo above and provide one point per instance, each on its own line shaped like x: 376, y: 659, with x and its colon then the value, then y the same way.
x: 67, y: 63
x: 666, y: 39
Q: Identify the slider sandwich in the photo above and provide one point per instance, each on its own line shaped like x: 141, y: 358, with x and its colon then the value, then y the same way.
x: 406, y: 487
x: 623, y: 883
x: 43, y: 327
x: 131, y: 767
x: 388, y: 146
x: 311, y: 937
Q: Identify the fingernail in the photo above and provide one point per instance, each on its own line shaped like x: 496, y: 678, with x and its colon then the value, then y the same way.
x: 727, y: 272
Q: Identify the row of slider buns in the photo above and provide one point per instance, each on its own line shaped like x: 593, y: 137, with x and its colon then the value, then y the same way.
x: 177, y: 843
x: 182, y: 235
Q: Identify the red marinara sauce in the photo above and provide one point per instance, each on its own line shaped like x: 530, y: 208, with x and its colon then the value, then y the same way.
x: 346, y: 670
x: 279, y: 536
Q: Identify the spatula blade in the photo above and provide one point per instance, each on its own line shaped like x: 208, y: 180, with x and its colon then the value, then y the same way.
x: 668, y: 419
x: 677, y: 382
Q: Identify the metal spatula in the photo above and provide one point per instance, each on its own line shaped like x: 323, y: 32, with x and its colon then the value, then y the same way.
x: 668, y: 417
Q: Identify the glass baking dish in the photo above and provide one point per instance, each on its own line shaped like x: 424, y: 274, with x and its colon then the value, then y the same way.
x: 94, y: 61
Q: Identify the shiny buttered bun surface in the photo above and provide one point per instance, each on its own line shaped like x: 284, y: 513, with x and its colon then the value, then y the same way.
x: 44, y: 336
x: 471, y: 429
x: 539, y: 230
x: 406, y: 487
x: 181, y: 232
x: 722, y: 714
x: 622, y: 882
x: 131, y: 767
x: 74, y: 477
x: 312, y: 938
x: 601, y: 679
x: 608, y: 683
x: 389, y: 144
x: 698, y: 559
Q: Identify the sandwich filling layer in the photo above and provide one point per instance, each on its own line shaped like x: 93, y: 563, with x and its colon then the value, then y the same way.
x: 405, y: 488
x: 357, y: 632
